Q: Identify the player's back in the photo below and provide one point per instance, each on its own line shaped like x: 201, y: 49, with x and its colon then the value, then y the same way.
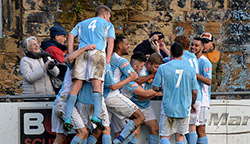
x: 94, y: 31
x: 179, y: 78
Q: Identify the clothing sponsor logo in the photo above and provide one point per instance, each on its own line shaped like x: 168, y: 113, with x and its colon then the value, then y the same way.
x: 134, y: 85
x: 125, y: 64
x: 207, y: 69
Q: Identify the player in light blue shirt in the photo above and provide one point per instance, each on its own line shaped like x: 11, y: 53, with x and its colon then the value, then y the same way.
x: 204, y: 80
x: 141, y: 95
x: 178, y: 82
x: 90, y: 66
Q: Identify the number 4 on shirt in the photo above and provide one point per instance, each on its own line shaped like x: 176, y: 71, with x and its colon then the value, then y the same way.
x: 92, y: 25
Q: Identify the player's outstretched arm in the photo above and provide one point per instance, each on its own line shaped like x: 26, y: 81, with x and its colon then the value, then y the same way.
x: 150, y: 97
x: 76, y: 53
x: 142, y: 79
x: 71, y: 38
x: 145, y: 94
x: 203, y: 79
x: 109, y: 49
x: 132, y: 76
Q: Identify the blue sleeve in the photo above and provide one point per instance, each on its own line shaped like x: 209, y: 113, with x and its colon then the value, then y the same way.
x: 158, y: 78
x: 109, y: 79
x: 111, y: 32
x: 167, y: 59
x: 75, y: 30
x: 207, y: 69
x: 131, y: 86
x: 194, y: 80
x: 125, y: 67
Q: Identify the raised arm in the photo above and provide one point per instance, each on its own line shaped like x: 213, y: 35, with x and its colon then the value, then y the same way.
x: 109, y: 49
x: 71, y: 38
x: 203, y: 79
x: 132, y: 76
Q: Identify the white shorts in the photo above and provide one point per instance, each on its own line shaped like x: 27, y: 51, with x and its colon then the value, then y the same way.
x: 90, y: 65
x: 117, y: 124
x: 85, y: 112
x: 194, y: 117
x: 202, y: 116
x: 58, y: 117
x: 169, y: 126
x: 148, y: 113
x: 120, y: 106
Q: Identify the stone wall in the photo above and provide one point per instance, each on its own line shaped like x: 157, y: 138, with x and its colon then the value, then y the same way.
x: 227, y: 20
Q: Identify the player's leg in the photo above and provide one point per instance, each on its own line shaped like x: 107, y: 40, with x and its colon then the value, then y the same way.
x: 154, y: 131
x: 201, y: 128
x: 128, y: 109
x: 151, y: 123
x: 60, y: 138
x: 167, y: 127
x: 81, y: 136
x: 179, y: 138
x: 96, y: 73
x: 76, y: 86
x: 78, y: 76
x: 97, y: 98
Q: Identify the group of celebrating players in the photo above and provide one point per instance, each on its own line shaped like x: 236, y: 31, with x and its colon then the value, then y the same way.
x: 120, y: 91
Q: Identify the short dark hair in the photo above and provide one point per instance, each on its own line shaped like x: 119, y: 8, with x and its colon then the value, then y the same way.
x: 155, y: 58
x: 101, y: 9
x: 118, y: 39
x: 156, y: 32
x: 184, y: 40
x: 138, y: 56
x: 176, y: 49
x: 200, y: 39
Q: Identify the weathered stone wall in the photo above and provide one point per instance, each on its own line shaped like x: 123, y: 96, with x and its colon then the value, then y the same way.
x: 227, y: 20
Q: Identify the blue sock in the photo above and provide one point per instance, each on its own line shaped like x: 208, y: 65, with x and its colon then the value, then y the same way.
x: 76, y: 140
x: 106, y: 139
x: 202, y: 140
x: 153, y: 139
x: 128, y: 129
x: 91, y: 140
x: 133, y: 141
x: 97, y: 97
x: 129, y: 138
x: 181, y: 142
x: 164, y: 141
x: 69, y: 107
x: 192, y: 137
x: 84, y: 141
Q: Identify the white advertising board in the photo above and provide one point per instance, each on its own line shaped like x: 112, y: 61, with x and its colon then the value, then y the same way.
x: 29, y: 122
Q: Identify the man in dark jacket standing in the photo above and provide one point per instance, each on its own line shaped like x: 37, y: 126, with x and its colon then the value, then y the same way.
x: 55, y: 46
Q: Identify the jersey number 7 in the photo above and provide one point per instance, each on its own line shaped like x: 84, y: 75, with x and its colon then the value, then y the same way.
x: 180, y: 72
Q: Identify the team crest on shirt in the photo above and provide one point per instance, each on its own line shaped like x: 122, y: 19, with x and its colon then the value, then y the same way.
x: 125, y: 64
x: 134, y: 85
x: 207, y: 69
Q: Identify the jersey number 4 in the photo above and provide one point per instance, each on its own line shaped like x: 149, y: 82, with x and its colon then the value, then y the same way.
x: 92, y: 25
x: 179, y: 72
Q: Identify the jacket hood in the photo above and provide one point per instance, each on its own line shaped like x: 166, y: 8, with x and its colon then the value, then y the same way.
x: 52, y: 42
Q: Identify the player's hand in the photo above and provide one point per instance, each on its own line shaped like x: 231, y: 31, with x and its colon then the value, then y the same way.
x: 150, y: 81
x: 90, y: 47
x: 133, y: 76
x: 155, y: 46
x: 159, y: 94
x: 154, y: 37
x: 193, y: 108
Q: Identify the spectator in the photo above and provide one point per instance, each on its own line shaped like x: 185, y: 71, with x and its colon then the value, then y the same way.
x: 55, y: 46
x: 34, y: 67
x: 155, y: 43
x: 214, y: 57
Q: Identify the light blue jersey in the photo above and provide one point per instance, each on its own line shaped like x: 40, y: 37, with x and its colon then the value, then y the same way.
x: 94, y: 30
x: 177, y: 79
x: 205, y: 69
x: 192, y: 60
x: 142, y: 104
